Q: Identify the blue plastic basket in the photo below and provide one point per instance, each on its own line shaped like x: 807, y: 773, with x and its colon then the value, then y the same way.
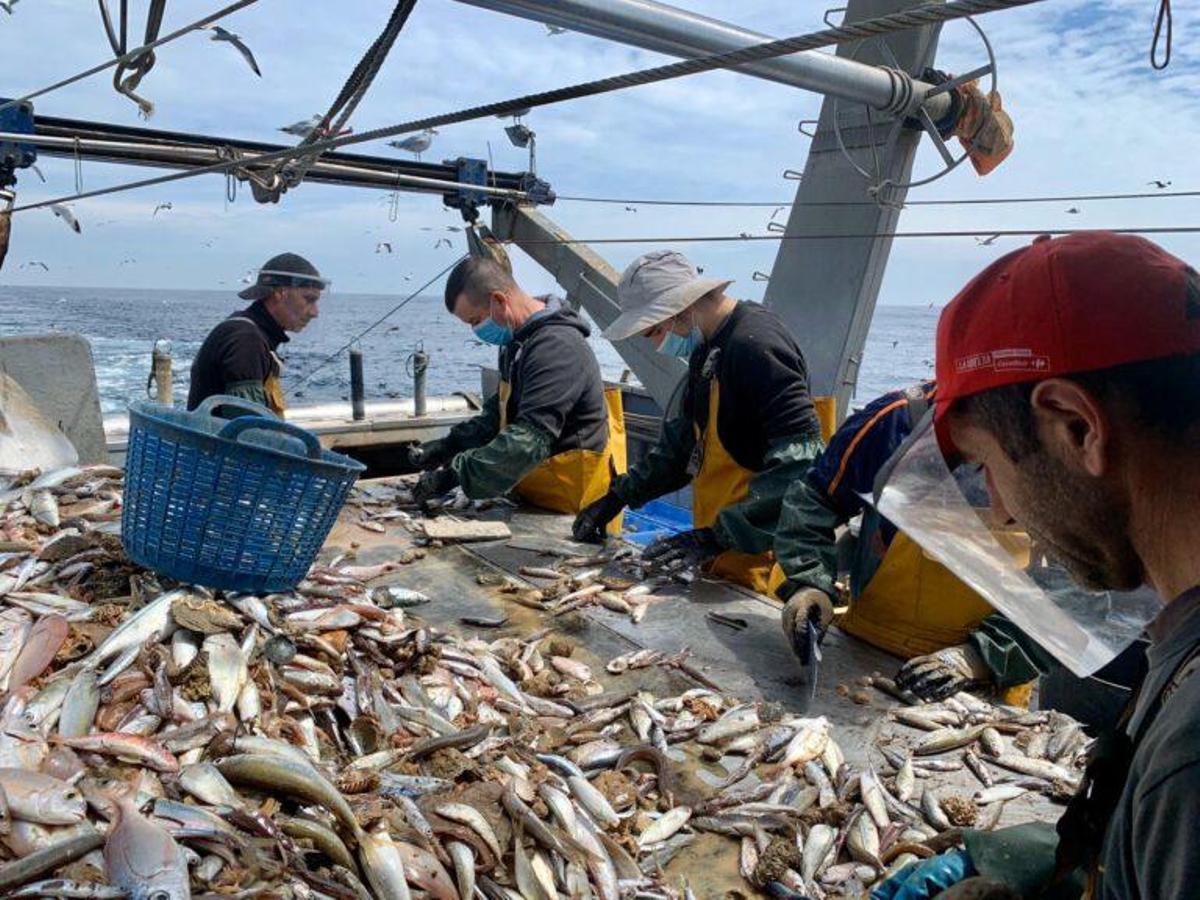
x: 242, y: 505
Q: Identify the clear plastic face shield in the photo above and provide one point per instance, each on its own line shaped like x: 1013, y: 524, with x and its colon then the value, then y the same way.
x: 949, y: 515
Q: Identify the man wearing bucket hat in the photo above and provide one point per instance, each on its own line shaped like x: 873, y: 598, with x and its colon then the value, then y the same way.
x: 1069, y: 375
x: 238, y: 356
x: 747, y: 427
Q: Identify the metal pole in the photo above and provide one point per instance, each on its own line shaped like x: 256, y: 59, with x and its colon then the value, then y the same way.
x: 357, y: 406
x: 677, y: 32
x: 420, y: 365
x: 151, y: 154
x: 161, y: 372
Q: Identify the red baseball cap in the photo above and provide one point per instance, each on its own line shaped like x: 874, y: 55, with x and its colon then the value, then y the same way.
x: 1077, y: 303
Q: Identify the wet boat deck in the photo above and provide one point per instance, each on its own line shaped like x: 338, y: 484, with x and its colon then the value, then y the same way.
x: 755, y: 663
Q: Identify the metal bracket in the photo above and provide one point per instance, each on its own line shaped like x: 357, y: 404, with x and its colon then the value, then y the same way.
x: 793, y: 175
x: 16, y: 119
x: 760, y: 276
x: 470, y: 172
x: 918, y: 118
x: 808, y: 134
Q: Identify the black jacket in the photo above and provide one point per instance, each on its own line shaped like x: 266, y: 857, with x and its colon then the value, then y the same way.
x: 236, y: 353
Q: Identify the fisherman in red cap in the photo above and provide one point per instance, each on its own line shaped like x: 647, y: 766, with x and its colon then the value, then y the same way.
x: 1069, y: 383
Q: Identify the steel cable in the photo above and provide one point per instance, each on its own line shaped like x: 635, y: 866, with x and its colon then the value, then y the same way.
x: 787, y: 204
x: 134, y: 53
x: 932, y: 14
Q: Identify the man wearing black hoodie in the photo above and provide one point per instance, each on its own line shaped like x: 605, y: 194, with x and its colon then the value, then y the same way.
x: 551, y: 433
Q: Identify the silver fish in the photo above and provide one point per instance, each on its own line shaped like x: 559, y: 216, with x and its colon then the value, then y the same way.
x: 152, y: 622
x: 473, y: 819
x: 872, y: 795
x: 905, y: 780
x: 383, y: 866
x: 665, y: 826
x: 932, y: 810
x: 999, y: 792
x: 464, y: 868
x: 862, y: 840
x: 818, y: 778
x: 79, y: 705
x: 142, y: 858
x: 205, y: 782
x: 38, y: 798
x: 226, y: 669
x: 818, y: 850
x: 736, y: 721
x: 594, y: 802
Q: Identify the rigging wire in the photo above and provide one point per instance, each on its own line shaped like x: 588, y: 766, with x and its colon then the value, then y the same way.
x: 1164, y: 16
x: 985, y: 233
x: 134, y: 53
x: 977, y: 201
x: 387, y: 315
x: 931, y: 14
x: 352, y: 92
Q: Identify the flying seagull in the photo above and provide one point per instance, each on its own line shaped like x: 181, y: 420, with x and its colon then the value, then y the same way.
x: 1161, y: 185
x: 417, y: 143
x: 383, y: 247
x: 987, y: 241
x: 32, y: 263
x: 441, y: 241
x: 220, y: 34
x: 631, y: 209
x: 453, y: 228
x: 1074, y: 210
x: 129, y: 260
x: 552, y: 30
x: 67, y: 216
x: 7, y: 5
x: 166, y: 205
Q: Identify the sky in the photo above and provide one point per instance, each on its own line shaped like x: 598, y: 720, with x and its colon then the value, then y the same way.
x: 1090, y: 115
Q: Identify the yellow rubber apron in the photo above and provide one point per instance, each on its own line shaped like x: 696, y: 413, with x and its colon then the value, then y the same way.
x: 569, y: 481
x: 719, y: 483
x: 273, y: 388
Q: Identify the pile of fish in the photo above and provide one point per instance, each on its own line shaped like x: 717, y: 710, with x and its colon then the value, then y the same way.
x: 161, y: 742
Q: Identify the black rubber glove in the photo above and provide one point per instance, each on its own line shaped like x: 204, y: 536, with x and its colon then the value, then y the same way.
x: 593, y: 519
x: 938, y: 675
x: 699, y: 546
x: 430, y: 455
x: 807, y: 604
x: 434, y: 484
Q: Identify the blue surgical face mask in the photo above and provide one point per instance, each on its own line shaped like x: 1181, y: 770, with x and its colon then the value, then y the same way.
x: 490, y: 332
x: 681, y: 345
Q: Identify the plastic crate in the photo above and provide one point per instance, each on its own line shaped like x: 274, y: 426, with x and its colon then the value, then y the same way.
x: 242, y: 504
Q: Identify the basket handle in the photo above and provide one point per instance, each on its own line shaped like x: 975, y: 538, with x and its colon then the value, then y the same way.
x: 209, y: 404
x: 264, y: 423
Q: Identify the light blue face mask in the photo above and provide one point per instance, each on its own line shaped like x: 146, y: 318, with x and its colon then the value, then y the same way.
x: 490, y: 332
x: 681, y: 345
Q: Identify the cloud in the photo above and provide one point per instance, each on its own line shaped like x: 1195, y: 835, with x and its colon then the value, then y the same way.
x: 1090, y: 114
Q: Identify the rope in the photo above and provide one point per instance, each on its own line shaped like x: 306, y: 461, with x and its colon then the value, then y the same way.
x: 787, y: 204
x: 350, y: 96
x: 134, y: 53
x: 730, y: 238
x: 141, y: 64
x: 932, y: 14
x: 1164, y: 15
x: 387, y: 315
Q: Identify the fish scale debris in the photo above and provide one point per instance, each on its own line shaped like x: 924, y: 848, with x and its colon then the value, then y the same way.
x: 329, y: 743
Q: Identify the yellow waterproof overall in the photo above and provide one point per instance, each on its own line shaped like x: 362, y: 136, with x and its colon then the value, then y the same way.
x: 569, y: 481
x: 274, y: 390
x: 722, y: 482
